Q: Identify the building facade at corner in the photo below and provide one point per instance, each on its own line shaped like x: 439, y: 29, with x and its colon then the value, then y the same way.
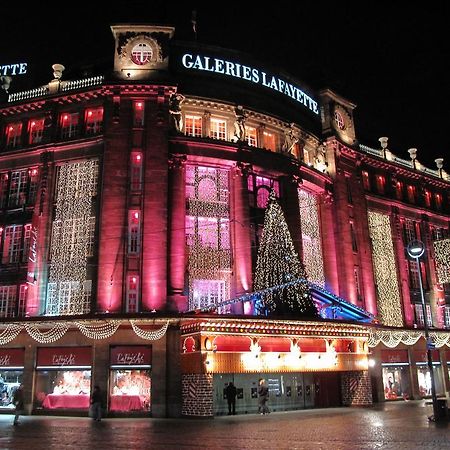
x: 132, y: 213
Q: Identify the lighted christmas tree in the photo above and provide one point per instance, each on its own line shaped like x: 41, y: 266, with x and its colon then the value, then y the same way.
x: 279, y: 273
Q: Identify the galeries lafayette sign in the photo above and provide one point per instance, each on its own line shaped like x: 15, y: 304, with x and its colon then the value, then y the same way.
x: 13, y: 69
x: 251, y: 74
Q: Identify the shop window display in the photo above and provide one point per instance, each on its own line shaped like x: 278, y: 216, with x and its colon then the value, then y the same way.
x: 9, y: 382
x: 68, y: 389
x: 424, y: 380
x: 130, y: 390
x: 396, y: 382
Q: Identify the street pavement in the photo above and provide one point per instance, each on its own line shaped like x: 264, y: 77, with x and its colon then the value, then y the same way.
x: 398, y: 425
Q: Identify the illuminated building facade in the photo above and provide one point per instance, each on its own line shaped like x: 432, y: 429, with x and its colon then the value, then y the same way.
x: 132, y: 209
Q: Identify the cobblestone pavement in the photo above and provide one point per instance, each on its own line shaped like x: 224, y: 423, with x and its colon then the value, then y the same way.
x: 399, y: 426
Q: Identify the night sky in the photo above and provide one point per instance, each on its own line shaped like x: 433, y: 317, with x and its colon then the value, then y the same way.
x: 389, y: 60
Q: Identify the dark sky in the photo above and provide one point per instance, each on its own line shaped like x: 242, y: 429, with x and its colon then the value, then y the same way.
x: 388, y: 59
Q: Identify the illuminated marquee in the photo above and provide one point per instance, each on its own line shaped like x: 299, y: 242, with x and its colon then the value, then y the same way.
x: 232, y: 69
x: 13, y: 69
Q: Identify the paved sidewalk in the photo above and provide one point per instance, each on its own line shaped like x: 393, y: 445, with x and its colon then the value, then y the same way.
x: 399, y: 426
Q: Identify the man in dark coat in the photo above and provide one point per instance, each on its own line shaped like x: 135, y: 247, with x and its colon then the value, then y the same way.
x: 96, y: 404
x: 231, y: 393
x: 18, y: 403
x: 263, y: 396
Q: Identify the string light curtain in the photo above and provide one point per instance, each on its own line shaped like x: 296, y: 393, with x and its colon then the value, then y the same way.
x: 208, y: 236
x: 311, y: 239
x: 389, y: 303
x: 68, y: 290
x: 442, y: 259
x: 278, y: 264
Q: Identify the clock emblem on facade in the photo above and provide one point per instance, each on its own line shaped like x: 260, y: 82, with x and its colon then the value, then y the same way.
x: 141, y: 53
x: 339, y: 120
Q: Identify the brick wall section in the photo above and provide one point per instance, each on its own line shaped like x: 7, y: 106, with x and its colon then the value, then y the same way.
x: 356, y: 389
x: 197, y: 395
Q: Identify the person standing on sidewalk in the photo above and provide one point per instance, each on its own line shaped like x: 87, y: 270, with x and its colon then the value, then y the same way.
x: 231, y: 393
x: 18, y: 403
x: 96, y: 404
x: 263, y: 396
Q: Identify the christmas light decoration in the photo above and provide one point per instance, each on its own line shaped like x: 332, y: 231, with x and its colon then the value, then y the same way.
x: 392, y: 338
x: 208, y: 236
x: 442, y: 260
x: 54, y: 331
x: 152, y: 335
x: 98, y: 329
x: 278, y: 263
x: 67, y: 287
x: 10, y: 332
x: 311, y: 240
x: 389, y: 304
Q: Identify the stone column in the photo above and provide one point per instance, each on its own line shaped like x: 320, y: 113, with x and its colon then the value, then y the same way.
x: 177, y: 233
x: 240, y: 234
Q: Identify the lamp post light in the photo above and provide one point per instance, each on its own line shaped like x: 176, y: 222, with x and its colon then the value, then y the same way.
x: 415, y: 250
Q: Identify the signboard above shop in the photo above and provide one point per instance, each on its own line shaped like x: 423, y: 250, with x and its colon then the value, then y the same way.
x: 13, y: 69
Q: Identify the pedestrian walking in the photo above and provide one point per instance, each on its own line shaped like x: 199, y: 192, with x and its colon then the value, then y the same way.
x: 231, y: 392
x: 263, y: 397
x: 96, y: 404
x: 18, y: 403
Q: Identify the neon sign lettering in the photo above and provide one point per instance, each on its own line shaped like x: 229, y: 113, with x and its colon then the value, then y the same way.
x: 13, y: 69
x: 236, y: 70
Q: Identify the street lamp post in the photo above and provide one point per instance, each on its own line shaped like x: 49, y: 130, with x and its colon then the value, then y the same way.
x: 415, y: 250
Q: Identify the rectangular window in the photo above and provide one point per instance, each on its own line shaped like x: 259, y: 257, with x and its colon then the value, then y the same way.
x: 353, y: 237
x: 419, y: 315
x: 12, y: 244
x: 94, y: 121
x: 218, y: 129
x: 193, y: 126
x: 306, y: 157
x: 208, y: 292
x: 427, y: 198
x: 35, y: 131
x: 409, y: 231
x: 250, y: 133
x: 136, y: 171
x: 269, y: 141
x: 13, y: 135
x: 399, y: 190
x: 3, y: 189
x: 70, y: 125
x: 357, y: 278
x: 365, y: 180
x: 411, y: 191
x: 438, y: 201
x: 23, y: 290
x: 8, y: 301
x: 349, y: 191
x: 259, y: 190
x: 413, y: 272
x: 134, y: 232
x: 132, y: 294
x: 26, y: 241
x: 18, y: 188
x: 381, y: 184
x: 447, y: 317
x: 138, y: 114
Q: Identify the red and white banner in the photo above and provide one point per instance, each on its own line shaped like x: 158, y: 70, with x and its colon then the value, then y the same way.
x: 11, y: 357
x: 131, y: 355
x: 64, y: 357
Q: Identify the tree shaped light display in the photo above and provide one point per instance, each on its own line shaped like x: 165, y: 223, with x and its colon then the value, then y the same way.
x: 279, y: 272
